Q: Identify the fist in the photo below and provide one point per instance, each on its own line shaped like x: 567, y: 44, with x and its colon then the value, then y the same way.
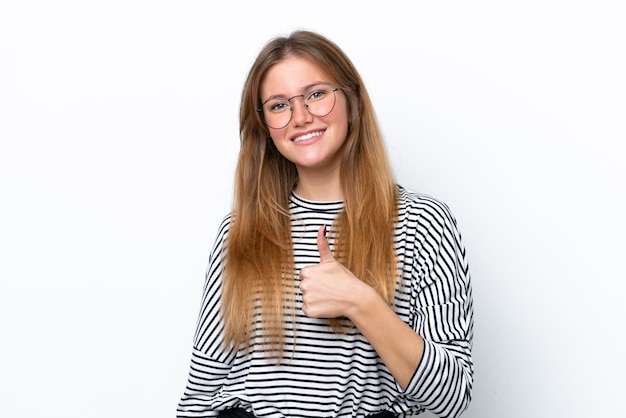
x: 328, y: 288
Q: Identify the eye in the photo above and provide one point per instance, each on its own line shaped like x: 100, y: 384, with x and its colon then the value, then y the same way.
x: 277, y: 106
x: 317, y: 94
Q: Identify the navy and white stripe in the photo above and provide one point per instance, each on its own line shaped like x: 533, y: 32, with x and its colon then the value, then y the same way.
x: 324, y: 374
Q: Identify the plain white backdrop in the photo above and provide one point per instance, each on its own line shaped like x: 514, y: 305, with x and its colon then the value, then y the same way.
x: 119, y: 135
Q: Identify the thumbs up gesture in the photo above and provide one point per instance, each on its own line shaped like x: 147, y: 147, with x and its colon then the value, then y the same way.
x: 328, y: 288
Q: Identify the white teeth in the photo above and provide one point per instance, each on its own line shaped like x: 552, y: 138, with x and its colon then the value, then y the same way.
x: 307, y: 136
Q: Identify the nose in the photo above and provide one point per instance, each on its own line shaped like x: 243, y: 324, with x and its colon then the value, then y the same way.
x: 300, y: 114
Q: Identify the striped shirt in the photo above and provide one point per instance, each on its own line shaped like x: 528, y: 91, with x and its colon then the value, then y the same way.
x: 328, y: 374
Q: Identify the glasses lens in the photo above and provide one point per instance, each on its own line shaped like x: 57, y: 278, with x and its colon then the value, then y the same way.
x: 318, y: 100
x: 277, y: 113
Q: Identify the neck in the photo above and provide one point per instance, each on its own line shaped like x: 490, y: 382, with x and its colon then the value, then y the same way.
x: 321, y: 187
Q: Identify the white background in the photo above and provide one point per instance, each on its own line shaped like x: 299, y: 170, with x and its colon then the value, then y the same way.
x: 119, y: 133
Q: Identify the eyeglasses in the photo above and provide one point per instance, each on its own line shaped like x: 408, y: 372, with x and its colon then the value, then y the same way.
x: 318, y: 100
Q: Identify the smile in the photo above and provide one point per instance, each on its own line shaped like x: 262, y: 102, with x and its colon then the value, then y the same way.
x: 307, y: 136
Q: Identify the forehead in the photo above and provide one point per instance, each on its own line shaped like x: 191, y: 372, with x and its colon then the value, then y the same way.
x: 291, y: 76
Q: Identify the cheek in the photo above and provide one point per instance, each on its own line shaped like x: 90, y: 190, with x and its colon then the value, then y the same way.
x: 279, y: 144
x: 277, y: 135
x: 343, y: 115
x: 277, y: 139
x: 342, y: 121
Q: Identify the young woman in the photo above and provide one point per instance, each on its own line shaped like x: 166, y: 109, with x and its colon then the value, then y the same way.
x: 331, y: 291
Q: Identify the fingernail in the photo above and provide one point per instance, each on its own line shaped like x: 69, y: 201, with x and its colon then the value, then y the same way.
x: 325, y: 230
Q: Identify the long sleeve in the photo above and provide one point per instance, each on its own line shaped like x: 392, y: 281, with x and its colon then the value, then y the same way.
x: 442, y: 312
x: 210, y: 363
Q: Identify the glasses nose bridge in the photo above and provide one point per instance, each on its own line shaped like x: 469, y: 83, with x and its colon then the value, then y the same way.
x: 295, y: 97
x: 300, y: 113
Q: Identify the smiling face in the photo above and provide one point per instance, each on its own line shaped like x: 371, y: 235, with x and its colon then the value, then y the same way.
x: 312, y: 143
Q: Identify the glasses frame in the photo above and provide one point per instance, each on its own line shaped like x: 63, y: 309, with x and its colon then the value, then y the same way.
x: 306, y: 106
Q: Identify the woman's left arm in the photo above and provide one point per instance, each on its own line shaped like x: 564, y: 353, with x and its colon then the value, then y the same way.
x: 330, y: 290
x: 430, y: 360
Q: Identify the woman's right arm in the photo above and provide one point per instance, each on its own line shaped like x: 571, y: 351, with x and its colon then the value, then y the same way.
x: 210, y: 362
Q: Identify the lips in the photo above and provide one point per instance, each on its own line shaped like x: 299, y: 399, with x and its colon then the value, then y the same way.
x: 307, y: 136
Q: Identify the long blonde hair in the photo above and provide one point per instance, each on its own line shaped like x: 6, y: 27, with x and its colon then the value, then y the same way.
x: 259, y: 261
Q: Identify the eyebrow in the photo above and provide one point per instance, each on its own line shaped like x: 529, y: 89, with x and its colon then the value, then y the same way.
x: 306, y: 88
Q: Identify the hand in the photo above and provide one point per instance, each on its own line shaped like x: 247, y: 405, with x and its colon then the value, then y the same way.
x: 328, y: 288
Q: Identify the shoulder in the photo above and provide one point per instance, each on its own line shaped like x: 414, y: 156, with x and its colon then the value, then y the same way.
x: 222, y: 233
x: 415, y: 204
x: 224, y: 224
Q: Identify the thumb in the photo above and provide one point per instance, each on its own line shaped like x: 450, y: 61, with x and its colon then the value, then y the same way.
x: 323, y: 247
